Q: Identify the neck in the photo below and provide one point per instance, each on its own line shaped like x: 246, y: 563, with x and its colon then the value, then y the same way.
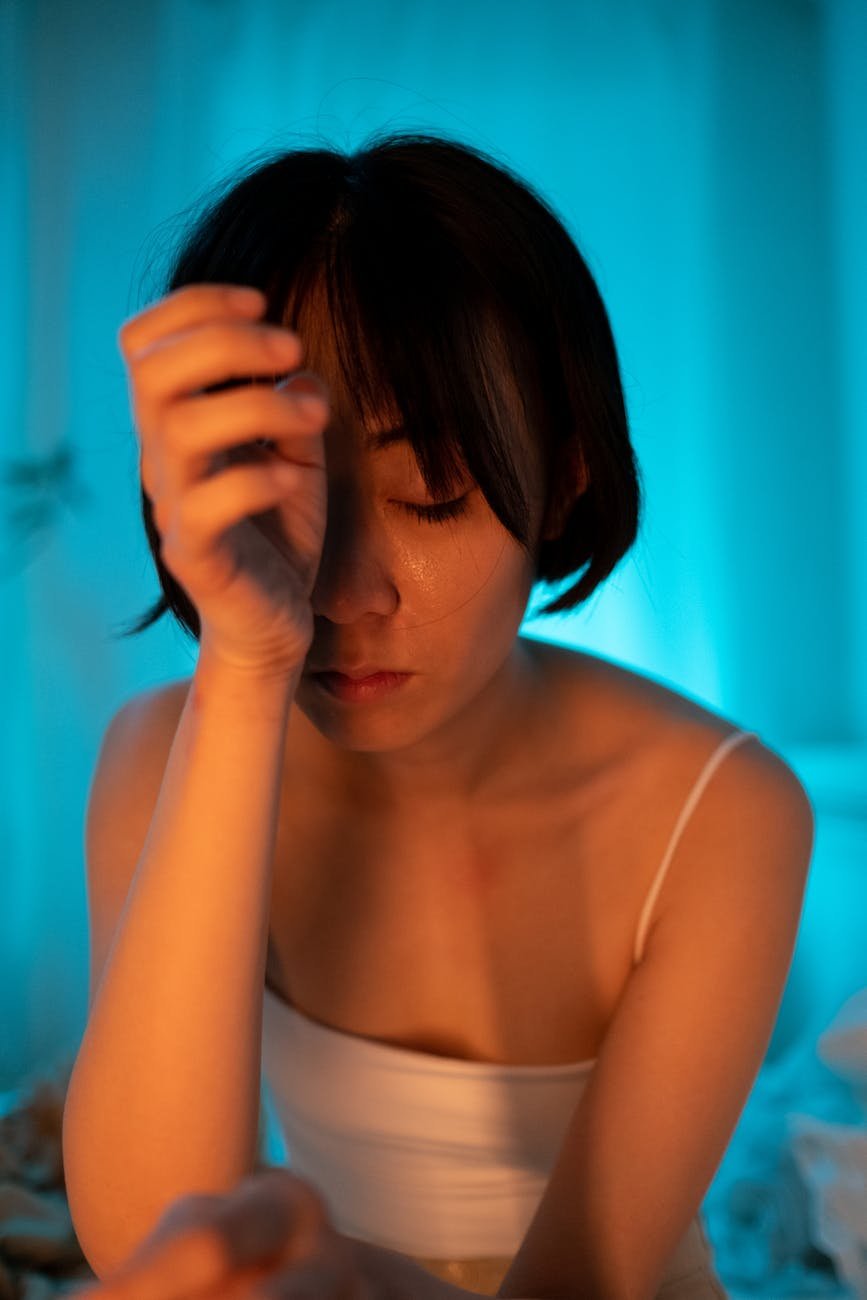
x: 471, y: 759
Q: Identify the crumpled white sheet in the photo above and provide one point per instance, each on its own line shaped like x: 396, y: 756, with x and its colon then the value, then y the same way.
x: 774, y: 1232
x: 832, y: 1156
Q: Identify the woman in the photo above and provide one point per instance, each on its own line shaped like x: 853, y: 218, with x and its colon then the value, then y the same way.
x: 505, y: 925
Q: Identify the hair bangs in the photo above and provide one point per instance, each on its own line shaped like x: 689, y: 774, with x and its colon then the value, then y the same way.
x: 416, y: 342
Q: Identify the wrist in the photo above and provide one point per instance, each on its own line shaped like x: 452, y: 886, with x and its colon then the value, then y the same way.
x: 249, y: 686
x: 261, y: 669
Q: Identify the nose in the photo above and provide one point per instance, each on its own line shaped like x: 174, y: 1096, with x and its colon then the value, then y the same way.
x: 355, y: 576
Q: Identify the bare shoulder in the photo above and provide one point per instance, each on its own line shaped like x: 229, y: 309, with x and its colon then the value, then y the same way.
x: 740, y: 829
x: 138, y: 739
x: 148, y: 719
x: 665, y: 733
x: 163, y: 703
x: 750, y: 795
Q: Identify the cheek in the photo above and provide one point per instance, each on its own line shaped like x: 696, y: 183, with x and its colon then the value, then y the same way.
x: 477, y: 574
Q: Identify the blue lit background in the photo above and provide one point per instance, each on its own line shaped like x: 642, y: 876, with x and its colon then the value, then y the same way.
x: 709, y: 159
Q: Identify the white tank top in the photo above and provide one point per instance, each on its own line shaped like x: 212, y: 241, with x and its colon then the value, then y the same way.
x: 432, y: 1156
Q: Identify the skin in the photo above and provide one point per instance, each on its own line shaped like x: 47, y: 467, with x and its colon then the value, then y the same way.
x: 443, y: 601
x: 270, y: 1235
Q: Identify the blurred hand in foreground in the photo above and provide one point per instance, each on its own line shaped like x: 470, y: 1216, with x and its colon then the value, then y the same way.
x: 271, y: 1236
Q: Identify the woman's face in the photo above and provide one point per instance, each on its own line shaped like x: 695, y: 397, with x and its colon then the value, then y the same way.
x: 400, y: 589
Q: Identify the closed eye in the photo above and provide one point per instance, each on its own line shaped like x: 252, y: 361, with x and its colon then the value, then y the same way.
x: 439, y: 513
x: 435, y: 514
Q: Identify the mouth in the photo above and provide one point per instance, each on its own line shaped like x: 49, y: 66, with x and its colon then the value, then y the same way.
x: 341, y: 686
x: 355, y: 674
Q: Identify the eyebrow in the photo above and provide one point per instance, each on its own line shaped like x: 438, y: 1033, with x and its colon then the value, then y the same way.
x: 386, y: 438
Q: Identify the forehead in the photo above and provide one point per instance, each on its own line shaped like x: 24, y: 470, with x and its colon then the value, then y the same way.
x: 371, y: 419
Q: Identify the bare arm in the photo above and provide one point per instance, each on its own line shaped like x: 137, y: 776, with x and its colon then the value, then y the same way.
x: 163, y: 1100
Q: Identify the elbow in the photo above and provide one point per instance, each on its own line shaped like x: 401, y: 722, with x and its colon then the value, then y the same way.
x: 99, y: 1247
x: 107, y: 1242
x: 103, y: 1232
x: 101, y: 1244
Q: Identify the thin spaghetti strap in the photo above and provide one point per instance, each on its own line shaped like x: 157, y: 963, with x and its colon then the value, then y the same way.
x: 729, y: 743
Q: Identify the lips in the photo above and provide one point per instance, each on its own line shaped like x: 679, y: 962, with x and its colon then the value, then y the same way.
x: 356, y: 674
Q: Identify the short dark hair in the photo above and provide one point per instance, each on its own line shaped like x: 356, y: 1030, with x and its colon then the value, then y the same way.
x: 440, y: 264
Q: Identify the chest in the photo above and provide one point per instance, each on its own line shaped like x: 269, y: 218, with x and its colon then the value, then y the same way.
x: 504, y: 937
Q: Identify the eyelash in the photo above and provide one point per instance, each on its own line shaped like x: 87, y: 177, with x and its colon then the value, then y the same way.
x: 437, y: 514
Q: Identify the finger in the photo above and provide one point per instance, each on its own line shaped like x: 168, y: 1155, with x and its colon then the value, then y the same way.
x: 175, y: 1268
x: 288, y: 1206
x: 197, y: 430
x: 266, y: 1219
x: 314, y: 1260
x: 191, y: 528
x: 192, y: 304
x: 212, y: 352
x: 204, y: 434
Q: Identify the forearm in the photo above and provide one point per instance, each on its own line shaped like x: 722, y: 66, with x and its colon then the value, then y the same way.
x: 164, y: 1096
